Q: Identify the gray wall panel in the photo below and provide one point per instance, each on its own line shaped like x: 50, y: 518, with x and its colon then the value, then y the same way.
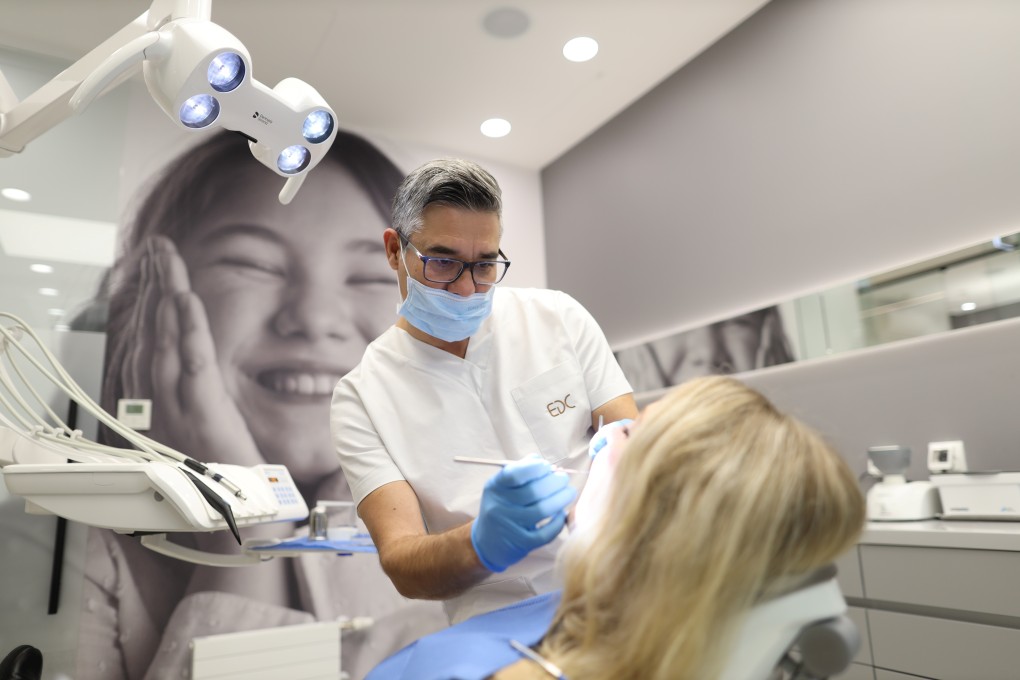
x: 819, y: 142
x: 959, y: 385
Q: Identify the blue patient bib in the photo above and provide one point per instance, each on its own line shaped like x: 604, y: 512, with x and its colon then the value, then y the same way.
x: 473, y: 649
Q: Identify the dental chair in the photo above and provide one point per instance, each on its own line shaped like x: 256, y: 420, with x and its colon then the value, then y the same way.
x: 803, y: 634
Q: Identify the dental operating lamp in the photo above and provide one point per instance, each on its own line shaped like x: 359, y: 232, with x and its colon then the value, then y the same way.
x: 200, y: 76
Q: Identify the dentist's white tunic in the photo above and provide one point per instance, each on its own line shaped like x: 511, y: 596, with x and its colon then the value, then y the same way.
x: 531, y: 377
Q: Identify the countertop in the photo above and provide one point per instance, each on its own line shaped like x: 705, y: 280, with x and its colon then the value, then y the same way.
x: 971, y: 535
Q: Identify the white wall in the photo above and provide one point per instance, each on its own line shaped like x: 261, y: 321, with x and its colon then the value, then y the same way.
x: 820, y: 142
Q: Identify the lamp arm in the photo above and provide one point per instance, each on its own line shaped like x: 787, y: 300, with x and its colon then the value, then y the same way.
x: 77, y: 86
x: 8, y: 100
x: 163, y: 11
x: 50, y: 104
x: 112, y: 71
x: 154, y: 43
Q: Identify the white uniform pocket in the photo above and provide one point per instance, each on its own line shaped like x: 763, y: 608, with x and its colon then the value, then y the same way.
x: 555, y: 407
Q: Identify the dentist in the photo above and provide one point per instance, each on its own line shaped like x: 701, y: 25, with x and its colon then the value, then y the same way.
x: 473, y: 369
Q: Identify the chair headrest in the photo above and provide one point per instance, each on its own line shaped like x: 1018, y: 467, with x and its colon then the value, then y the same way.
x: 772, y: 627
x: 22, y: 663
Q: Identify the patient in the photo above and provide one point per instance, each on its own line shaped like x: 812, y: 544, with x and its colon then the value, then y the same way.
x: 715, y: 503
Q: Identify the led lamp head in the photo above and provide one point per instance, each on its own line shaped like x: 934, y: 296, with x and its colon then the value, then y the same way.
x: 194, y: 69
x: 292, y: 128
x: 226, y: 71
x: 199, y: 111
x: 293, y: 159
x: 201, y: 76
x: 318, y: 126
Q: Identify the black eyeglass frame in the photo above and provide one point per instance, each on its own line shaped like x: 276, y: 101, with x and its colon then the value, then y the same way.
x: 470, y: 265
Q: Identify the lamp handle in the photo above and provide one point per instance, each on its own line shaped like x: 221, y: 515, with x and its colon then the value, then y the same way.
x: 290, y: 188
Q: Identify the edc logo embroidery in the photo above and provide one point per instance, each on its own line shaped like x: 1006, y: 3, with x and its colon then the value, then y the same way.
x: 559, y: 407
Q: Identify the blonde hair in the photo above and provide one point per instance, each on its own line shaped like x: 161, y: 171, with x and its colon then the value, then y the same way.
x: 720, y: 501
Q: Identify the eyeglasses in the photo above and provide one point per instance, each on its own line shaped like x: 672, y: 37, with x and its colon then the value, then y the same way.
x: 448, y: 269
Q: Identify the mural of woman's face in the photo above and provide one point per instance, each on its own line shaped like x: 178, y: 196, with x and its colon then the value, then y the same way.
x: 294, y: 293
x: 729, y: 346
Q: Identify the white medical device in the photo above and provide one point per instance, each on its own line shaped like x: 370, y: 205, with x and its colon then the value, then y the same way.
x: 946, y: 457
x: 805, y: 632
x: 893, y: 498
x: 979, y: 495
x: 150, y: 489
x: 200, y: 75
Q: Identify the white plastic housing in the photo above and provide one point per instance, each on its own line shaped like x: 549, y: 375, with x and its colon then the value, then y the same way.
x: 114, y: 493
x: 946, y: 457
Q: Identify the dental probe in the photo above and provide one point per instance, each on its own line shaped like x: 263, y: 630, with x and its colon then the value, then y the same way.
x: 505, y: 461
x: 548, y: 666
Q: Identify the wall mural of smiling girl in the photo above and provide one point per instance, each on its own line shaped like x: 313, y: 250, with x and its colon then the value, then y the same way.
x: 237, y: 315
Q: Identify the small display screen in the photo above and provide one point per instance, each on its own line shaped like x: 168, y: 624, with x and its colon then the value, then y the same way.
x: 134, y: 409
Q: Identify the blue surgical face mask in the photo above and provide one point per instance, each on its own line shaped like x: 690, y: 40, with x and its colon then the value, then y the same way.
x: 443, y: 314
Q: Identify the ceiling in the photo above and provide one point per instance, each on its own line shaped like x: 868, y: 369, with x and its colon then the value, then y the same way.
x: 423, y: 72
x: 428, y: 71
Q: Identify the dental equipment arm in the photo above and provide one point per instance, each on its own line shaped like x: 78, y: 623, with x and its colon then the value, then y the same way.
x: 200, y: 75
x: 151, y: 488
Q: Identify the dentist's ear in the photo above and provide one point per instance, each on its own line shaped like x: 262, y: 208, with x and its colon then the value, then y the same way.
x: 391, y: 243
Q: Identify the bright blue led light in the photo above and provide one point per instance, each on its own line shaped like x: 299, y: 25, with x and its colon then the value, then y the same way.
x: 318, y: 126
x: 200, y: 111
x: 226, y: 71
x: 294, y: 159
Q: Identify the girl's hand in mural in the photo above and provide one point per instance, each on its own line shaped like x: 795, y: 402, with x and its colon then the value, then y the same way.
x: 173, y: 362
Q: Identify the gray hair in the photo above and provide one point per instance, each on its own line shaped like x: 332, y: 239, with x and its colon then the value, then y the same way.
x: 446, y: 181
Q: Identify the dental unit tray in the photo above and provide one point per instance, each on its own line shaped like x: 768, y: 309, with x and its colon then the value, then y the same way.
x: 145, y: 488
x: 344, y: 539
x: 152, y: 496
x: 339, y: 541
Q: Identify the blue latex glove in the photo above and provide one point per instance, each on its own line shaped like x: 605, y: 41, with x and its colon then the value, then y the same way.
x: 515, y: 500
x: 601, y: 438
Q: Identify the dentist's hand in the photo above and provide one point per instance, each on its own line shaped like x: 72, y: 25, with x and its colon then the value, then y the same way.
x: 515, y: 500
x: 610, y: 433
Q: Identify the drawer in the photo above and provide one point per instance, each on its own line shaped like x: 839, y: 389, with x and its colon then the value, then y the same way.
x: 968, y: 580
x: 943, y: 649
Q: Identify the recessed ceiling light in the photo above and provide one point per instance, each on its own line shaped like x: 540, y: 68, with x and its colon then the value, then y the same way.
x: 55, y: 312
x: 506, y: 22
x: 580, y: 49
x: 41, y: 268
x: 19, y: 195
x: 968, y: 306
x: 496, y: 127
x: 62, y: 327
x: 49, y: 292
